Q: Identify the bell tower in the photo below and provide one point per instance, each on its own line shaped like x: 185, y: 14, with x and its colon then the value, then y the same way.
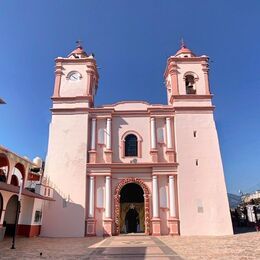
x: 76, y: 77
x: 186, y: 76
x: 200, y: 171
x: 76, y: 82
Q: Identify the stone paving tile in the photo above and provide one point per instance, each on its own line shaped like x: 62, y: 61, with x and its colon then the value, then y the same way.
x: 51, y: 248
x: 243, y: 246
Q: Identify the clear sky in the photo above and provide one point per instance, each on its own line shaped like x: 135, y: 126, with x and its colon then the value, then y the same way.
x: 132, y: 40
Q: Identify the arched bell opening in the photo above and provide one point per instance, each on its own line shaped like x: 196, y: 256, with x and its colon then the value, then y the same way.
x: 190, y: 84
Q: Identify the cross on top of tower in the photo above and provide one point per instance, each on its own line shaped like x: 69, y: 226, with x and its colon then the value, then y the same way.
x: 184, y: 51
x: 79, y: 52
x: 183, y: 43
x: 79, y: 44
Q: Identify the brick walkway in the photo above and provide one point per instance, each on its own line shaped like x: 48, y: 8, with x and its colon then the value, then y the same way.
x: 243, y: 246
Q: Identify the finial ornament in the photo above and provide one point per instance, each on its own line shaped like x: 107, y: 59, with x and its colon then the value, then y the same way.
x: 183, y: 43
x: 79, y: 43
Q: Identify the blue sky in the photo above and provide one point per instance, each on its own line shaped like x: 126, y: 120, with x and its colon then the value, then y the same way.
x: 131, y: 41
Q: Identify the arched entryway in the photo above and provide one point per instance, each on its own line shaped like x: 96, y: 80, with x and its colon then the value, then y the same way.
x: 132, y: 207
x: 10, y: 214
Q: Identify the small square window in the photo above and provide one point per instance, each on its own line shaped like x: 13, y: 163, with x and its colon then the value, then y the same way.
x: 37, y: 216
x: 200, y: 209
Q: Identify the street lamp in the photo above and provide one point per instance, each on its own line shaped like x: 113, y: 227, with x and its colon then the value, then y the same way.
x: 17, y: 213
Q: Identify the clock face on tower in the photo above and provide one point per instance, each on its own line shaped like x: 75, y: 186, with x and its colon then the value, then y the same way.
x: 74, y: 76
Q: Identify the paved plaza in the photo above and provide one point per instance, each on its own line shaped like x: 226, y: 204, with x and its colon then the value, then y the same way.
x: 242, y: 246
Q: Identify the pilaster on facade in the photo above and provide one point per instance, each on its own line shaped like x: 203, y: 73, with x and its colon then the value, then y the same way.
x: 107, y: 225
x: 153, y: 147
x: 107, y: 222
x: 93, y: 152
x: 173, y: 220
x: 156, y: 226
x: 91, y: 227
x: 205, y: 69
x: 174, y: 226
x: 92, y: 156
x: 156, y: 221
x: 154, y: 155
x: 173, y: 73
x: 58, y: 74
x: 170, y: 155
x: 108, y: 151
x: 91, y: 221
x: 170, y: 147
x: 108, y: 156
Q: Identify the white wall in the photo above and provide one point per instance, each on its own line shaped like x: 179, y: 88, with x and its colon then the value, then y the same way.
x: 66, y: 167
x: 203, y: 204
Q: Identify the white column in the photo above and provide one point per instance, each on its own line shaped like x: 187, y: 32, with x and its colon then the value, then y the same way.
x: 169, y: 133
x: 93, y: 134
x: 172, y: 196
x: 155, y: 197
x: 108, y: 134
x: 108, y: 197
x: 91, y: 197
x: 153, y: 133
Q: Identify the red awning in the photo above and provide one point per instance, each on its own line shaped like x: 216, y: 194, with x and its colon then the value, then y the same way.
x: 15, y: 189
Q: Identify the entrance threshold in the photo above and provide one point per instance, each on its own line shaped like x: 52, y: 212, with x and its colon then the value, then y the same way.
x: 133, y: 234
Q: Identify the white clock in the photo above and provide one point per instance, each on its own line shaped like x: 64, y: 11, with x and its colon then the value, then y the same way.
x: 74, y: 76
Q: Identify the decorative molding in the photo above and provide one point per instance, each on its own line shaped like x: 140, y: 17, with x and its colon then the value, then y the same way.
x: 154, y: 155
x: 92, y: 156
x: 139, y: 138
x: 174, y: 226
x: 193, y: 108
x: 91, y: 166
x: 187, y: 73
x: 147, y: 195
x: 108, y: 156
x: 72, y: 99
x: 192, y: 96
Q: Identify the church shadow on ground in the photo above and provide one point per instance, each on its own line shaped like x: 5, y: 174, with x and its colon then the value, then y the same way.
x: 124, y: 247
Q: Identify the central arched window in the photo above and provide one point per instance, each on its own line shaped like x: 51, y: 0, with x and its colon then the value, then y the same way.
x: 131, y: 145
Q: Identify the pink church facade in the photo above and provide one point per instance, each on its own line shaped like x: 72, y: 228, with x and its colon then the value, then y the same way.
x: 160, y: 161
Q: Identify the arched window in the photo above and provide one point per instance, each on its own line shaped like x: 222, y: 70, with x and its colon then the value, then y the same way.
x: 190, y: 84
x: 131, y: 145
